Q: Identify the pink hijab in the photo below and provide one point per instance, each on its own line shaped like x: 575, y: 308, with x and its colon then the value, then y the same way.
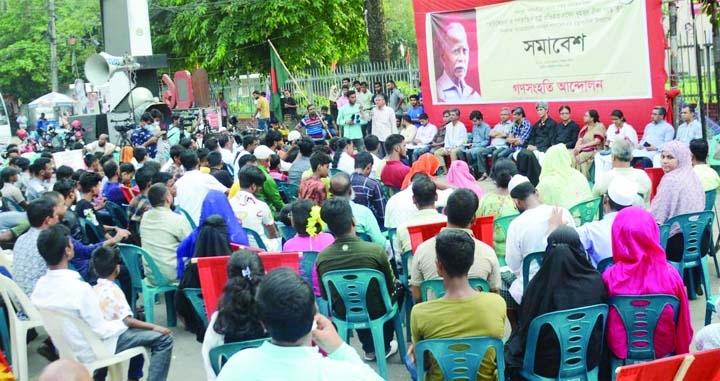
x: 641, y: 268
x: 680, y: 190
x: 459, y: 176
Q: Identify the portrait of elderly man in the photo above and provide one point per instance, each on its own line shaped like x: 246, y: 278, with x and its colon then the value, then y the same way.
x: 453, y: 51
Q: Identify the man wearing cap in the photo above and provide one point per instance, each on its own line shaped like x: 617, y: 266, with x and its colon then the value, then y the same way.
x: 10, y: 191
x: 526, y: 234
x: 596, y: 236
x: 621, y: 155
x: 294, y: 136
x: 269, y: 192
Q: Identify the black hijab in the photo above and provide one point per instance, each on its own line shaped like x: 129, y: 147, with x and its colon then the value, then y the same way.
x: 528, y: 166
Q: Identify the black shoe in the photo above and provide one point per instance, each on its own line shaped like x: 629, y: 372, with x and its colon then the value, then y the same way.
x: 31, y: 335
x: 48, y: 353
x: 699, y: 290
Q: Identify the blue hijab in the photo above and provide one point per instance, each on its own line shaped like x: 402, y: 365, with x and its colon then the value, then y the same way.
x: 215, y: 203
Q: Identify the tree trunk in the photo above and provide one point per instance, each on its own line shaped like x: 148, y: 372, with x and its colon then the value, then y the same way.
x: 377, y: 36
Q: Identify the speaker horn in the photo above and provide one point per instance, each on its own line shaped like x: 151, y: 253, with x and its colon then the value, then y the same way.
x: 99, y: 68
x: 140, y: 100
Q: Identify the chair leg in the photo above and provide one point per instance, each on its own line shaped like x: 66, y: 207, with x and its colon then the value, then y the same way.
x: 149, y: 303
x: 705, y: 273
x: 402, y: 350
x: 709, y: 309
x: 20, y: 366
x: 170, y: 308
x: 115, y: 372
x: 379, y: 343
x: 690, y: 283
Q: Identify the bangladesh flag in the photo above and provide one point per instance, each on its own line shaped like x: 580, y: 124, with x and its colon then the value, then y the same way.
x: 278, y: 76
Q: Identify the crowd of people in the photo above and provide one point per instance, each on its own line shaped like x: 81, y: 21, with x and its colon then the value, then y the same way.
x: 182, y: 195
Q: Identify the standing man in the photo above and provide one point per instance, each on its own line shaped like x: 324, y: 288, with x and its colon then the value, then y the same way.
x: 143, y: 135
x: 314, y: 125
x: 289, y: 106
x: 383, y: 121
x: 396, y: 98
x: 690, y: 128
x: 454, y: 55
x: 415, y: 110
x: 351, y: 119
x: 365, y: 97
x: 262, y: 107
x: 455, y: 139
x: 175, y: 131
x: 656, y: 134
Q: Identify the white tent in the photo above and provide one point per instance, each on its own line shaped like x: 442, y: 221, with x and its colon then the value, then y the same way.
x: 52, y: 100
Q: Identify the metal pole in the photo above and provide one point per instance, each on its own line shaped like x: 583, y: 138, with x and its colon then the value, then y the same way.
x: 698, y: 69
x: 53, y: 46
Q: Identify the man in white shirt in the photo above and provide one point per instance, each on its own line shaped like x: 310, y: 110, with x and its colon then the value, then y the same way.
x: 194, y: 186
x: 41, y: 171
x: 426, y: 132
x: 656, y: 134
x: 383, y: 121
x: 690, y: 128
x: 400, y: 207
x: 9, y: 177
x: 455, y: 139
x: 527, y: 233
x: 226, y: 150
x: 286, y: 307
x: 101, y: 145
x: 621, y: 155
x: 424, y: 197
x: 64, y: 290
x: 252, y: 212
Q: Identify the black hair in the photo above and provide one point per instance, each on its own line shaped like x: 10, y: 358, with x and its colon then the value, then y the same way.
x: 210, y: 144
x: 317, y: 159
x: 476, y: 114
x: 502, y: 171
x: 186, y: 143
x: 39, y: 165
x: 424, y: 192
x: 202, y: 154
x: 212, y: 238
x: 89, y: 159
x: 250, y: 175
x: 286, y: 305
x: 455, y: 250
x: 104, y: 158
x: 248, y: 140
x: 88, y: 181
x: 157, y: 195
x: 413, y: 96
x: 189, y: 160
x: 363, y: 159
x: 333, y: 143
x: 64, y: 187
x: 661, y: 110
x: 158, y: 178
x: 39, y: 209
x: 419, y: 176
x: 461, y: 207
x: 424, y: 116
x: 110, y: 168
x: 156, y: 113
x: 523, y: 191
x: 519, y: 111
x: 144, y: 176
x: 284, y: 214
x: 618, y: 114
x: 214, y: 159
x: 77, y: 174
x: 237, y: 317
x: 244, y: 159
x: 274, y: 161
x: 22, y: 162
x: 271, y: 137
x: 337, y: 214
x: 127, y: 168
x: 371, y: 142
x: 407, y: 118
x: 392, y: 141
x: 52, y: 242
x: 223, y: 140
x: 340, y: 147
x: 564, y: 107
x: 176, y: 151
x: 699, y: 149
x: 104, y: 261
x: 348, y: 94
x: 594, y: 115
x: 300, y: 214
x: 139, y: 153
x: 306, y: 146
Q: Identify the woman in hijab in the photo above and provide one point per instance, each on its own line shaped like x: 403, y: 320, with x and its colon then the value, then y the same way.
x: 641, y: 269
x: 459, y: 176
x: 560, y: 184
x: 212, y: 241
x: 565, y: 280
x: 680, y: 191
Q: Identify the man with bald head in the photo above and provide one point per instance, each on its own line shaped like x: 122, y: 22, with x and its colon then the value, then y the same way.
x: 365, y: 221
x: 65, y: 370
x: 454, y: 53
x: 102, y: 145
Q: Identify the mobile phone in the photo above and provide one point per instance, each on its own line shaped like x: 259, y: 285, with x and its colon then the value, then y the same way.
x: 646, y: 144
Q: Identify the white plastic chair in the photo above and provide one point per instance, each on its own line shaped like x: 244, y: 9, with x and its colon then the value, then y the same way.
x: 56, y: 320
x: 12, y: 295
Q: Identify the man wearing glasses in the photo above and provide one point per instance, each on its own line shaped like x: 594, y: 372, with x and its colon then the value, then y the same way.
x: 656, y: 134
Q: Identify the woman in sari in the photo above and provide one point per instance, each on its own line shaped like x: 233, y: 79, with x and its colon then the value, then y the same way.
x: 459, y: 176
x: 498, y: 203
x: 560, y: 184
x: 565, y: 280
x: 590, y: 140
x: 641, y: 269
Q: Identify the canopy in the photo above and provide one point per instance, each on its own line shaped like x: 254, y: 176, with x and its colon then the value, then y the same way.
x: 51, y: 100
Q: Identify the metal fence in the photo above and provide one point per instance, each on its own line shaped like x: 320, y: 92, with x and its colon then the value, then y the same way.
x: 687, y: 76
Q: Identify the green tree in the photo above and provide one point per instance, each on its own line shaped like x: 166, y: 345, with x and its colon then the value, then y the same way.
x: 400, y: 27
x: 229, y: 37
x: 25, y: 47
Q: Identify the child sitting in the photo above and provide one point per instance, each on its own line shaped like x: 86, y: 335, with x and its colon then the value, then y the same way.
x: 275, y: 172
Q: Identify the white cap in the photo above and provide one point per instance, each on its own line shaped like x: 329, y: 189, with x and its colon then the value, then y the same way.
x: 517, y: 180
x: 623, y: 191
x: 294, y: 135
x: 263, y: 152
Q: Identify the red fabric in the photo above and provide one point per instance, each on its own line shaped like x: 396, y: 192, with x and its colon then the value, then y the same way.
x: 394, y: 173
x: 670, y: 95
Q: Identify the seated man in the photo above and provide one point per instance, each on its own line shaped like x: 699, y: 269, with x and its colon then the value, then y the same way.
x: 194, y: 185
x: 463, y: 311
x: 140, y: 203
x: 349, y: 252
x: 621, y: 152
x: 286, y: 307
x: 253, y: 213
x: 460, y: 211
x: 365, y: 221
x: 470, y: 153
x: 400, y: 208
x: 656, y: 134
x: 9, y: 176
x: 111, y: 190
x: 63, y: 290
x: 424, y: 196
x: 707, y: 175
x: 90, y: 183
x: 455, y: 139
x: 395, y: 170
x: 367, y: 191
x: 313, y: 188
x: 161, y: 231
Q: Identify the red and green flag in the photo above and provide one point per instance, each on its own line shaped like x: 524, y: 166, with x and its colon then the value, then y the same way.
x: 278, y: 75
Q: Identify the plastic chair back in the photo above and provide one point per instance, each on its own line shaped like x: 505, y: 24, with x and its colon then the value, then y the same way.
x: 391, y: 234
x: 14, y: 330
x: 272, y: 261
x: 483, y: 229
x: 664, y: 235
x: 693, y: 226
x: 461, y: 358
x: 212, y: 272
x: 291, y: 191
x: 89, y: 231
x: 187, y: 215
x: 532, y: 261
x: 422, y: 233
x: 286, y: 231
x: 220, y: 354
x: 438, y: 287
x: 640, y: 315
x: 255, y: 238
x: 605, y: 264
x: 655, y: 175
x: 364, y: 236
x: 573, y: 328
x: 194, y: 295
x: 710, y: 197
x: 12, y: 205
x: 352, y: 286
x: 307, y: 263
x: 127, y: 192
x: 501, y: 227
x: 118, y: 214
x: 586, y: 211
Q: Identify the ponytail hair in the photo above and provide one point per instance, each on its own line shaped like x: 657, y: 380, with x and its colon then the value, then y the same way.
x: 339, y: 149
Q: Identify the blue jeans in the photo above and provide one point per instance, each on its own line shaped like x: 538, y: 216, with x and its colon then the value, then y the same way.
x: 263, y: 124
x: 11, y: 219
x: 160, y: 352
x: 412, y: 368
x: 419, y: 151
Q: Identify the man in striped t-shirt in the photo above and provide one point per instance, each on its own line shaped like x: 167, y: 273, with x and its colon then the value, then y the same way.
x: 314, y: 125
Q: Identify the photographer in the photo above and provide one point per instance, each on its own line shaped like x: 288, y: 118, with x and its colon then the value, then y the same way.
x: 143, y: 135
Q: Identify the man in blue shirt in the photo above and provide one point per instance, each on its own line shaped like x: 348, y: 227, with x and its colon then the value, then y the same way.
x: 415, y: 110
x: 143, y: 136
x: 519, y: 134
x: 656, y: 134
x: 480, y: 140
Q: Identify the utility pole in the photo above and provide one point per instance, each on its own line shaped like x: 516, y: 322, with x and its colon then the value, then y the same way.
x: 53, y: 46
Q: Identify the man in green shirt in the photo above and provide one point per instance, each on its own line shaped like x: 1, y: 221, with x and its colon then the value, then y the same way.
x: 350, y: 120
x: 350, y: 252
x: 269, y: 192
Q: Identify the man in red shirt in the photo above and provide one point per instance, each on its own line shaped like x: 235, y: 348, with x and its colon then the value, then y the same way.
x: 394, y: 171
x: 313, y: 188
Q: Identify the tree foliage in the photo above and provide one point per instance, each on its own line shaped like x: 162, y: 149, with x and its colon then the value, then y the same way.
x: 400, y: 27
x: 25, y: 47
x: 229, y: 37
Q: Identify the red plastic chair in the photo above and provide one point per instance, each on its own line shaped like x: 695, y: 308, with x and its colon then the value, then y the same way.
x: 655, y: 175
x: 127, y: 192
x: 236, y: 246
x: 422, y: 233
x: 274, y: 260
x: 484, y: 229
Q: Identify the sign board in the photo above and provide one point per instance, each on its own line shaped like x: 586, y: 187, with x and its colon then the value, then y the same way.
x: 73, y: 159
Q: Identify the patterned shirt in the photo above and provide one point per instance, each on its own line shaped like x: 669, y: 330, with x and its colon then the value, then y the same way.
x: 139, y: 205
x: 440, y: 137
x: 521, y: 131
x: 140, y: 135
x: 28, y: 265
x: 313, y: 127
x: 312, y: 189
x: 112, y: 300
x: 368, y: 193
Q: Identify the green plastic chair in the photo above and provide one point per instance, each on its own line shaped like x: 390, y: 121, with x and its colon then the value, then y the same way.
x: 461, y: 358
x: 256, y: 237
x: 640, y: 315
x: 710, y: 308
x: 501, y: 227
x: 586, y: 211
x: 132, y: 255
x: 307, y: 263
x: 528, y: 261
x: 605, y: 264
x: 573, y: 329
x: 664, y: 235
x: 335, y: 171
x: 118, y: 214
x: 438, y: 287
x: 352, y: 286
x: 221, y: 354
x: 89, y: 231
x: 291, y: 191
x: 364, y: 236
x: 405, y: 280
x: 194, y: 295
x: 185, y: 213
x: 287, y: 232
x: 710, y: 197
x: 693, y: 226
